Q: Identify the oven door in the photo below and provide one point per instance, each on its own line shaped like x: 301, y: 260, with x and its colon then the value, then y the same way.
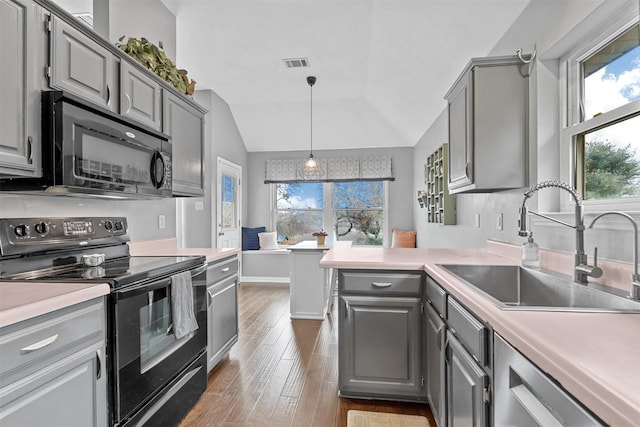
x: 146, y: 355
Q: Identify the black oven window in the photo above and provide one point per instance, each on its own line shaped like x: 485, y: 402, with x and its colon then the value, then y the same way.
x: 156, y: 328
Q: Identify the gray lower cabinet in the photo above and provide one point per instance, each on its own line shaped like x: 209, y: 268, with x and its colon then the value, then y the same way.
x: 435, y: 335
x: 20, y: 88
x: 185, y: 124
x: 53, y: 369
x: 380, y: 335
x: 140, y: 96
x: 526, y: 397
x: 222, y: 311
x: 467, y: 387
x: 81, y: 66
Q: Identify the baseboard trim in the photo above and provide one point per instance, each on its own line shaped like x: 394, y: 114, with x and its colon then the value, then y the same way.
x: 264, y: 279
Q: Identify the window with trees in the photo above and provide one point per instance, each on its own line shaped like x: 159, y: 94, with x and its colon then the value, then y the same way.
x: 354, y: 211
x: 605, y: 123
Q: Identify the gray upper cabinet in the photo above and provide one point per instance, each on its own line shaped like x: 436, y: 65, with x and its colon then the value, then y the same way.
x: 185, y: 124
x: 488, y: 123
x: 140, y: 96
x: 20, y: 87
x: 81, y: 66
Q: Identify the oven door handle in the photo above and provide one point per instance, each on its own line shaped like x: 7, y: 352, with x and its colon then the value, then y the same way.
x: 150, y: 286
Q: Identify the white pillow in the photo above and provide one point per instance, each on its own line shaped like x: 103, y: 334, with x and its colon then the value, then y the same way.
x: 268, y: 240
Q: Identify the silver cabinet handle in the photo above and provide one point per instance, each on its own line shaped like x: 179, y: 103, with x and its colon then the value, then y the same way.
x: 30, y: 149
x: 381, y: 284
x: 536, y: 409
x: 108, y: 95
x: 224, y: 270
x: 98, y: 364
x: 128, y: 98
x: 40, y: 344
x: 346, y: 308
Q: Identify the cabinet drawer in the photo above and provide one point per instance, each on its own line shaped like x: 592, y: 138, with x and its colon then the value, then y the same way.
x: 222, y: 269
x: 380, y: 283
x: 49, y: 338
x: 437, y: 297
x: 469, y: 330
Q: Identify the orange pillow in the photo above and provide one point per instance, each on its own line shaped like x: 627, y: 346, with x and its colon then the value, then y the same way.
x: 403, y: 239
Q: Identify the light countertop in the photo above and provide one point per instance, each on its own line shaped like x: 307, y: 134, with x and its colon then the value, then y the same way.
x: 23, y: 300
x: 168, y: 247
x: 595, y: 356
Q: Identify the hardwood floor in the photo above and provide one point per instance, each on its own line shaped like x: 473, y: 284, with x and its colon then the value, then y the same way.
x: 282, y: 372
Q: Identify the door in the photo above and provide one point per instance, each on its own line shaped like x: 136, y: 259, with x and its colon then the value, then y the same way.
x: 140, y: 96
x: 20, y: 108
x: 81, y: 66
x: 185, y: 124
x: 379, y: 347
x: 229, y: 203
x: 435, y: 337
x: 460, y: 136
x: 466, y: 388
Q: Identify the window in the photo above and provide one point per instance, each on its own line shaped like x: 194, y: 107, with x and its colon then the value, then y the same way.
x: 606, y: 123
x: 356, y: 211
x: 299, y: 211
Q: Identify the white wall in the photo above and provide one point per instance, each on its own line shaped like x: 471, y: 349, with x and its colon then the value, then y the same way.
x: 401, y: 193
x: 554, y: 28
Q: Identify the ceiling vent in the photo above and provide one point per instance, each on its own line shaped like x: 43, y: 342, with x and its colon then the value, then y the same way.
x: 296, y: 62
x: 85, y: 17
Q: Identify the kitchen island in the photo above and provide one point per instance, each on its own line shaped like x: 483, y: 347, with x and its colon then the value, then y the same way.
x: 594, y: 356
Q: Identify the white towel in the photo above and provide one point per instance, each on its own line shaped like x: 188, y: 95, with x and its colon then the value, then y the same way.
x: 184, y: 319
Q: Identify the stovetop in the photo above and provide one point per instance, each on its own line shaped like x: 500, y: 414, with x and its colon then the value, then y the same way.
x: 51, y: 249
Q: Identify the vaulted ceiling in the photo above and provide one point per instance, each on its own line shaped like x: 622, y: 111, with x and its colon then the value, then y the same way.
x: 382, y: 66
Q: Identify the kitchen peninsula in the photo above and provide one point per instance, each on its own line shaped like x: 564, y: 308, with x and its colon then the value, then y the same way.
x: 598, y: 368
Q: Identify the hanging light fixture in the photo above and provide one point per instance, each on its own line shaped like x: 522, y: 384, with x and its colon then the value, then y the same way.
x: 311, y: 170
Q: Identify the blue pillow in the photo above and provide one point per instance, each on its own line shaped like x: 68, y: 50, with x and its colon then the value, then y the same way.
x: 250, y: 240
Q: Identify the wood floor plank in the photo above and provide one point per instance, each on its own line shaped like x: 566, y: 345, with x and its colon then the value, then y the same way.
x: 282, y: 372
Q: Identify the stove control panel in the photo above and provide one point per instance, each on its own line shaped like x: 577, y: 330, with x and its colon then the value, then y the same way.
x: 21, y: 235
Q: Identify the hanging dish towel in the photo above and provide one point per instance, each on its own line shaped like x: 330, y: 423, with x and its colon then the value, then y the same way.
x: 184, y: 319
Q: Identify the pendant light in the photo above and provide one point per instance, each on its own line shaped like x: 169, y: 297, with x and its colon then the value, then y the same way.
x: 311, y: 170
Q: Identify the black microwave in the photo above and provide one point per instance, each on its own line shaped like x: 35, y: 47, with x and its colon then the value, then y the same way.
x: 89, y: 151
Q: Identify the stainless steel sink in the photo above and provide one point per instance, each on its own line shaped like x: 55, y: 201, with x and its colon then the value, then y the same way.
x: 517, y: 288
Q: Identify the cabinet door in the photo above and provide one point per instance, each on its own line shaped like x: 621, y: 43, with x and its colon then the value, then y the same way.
x: 140, y: 96
x: 222, y: 319
x: 19, y: 88
x: 467, y: 386
x: 70, y: 392
x: 435, y: 337
x: 380, y: 347
x: 81, y: 66
x: 460, y: 134
x: 185, y: 125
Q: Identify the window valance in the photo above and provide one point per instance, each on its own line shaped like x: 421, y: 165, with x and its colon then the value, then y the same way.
x: 366, y: 168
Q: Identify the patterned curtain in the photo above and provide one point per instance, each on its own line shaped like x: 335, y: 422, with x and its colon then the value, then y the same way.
x: 368, y: 168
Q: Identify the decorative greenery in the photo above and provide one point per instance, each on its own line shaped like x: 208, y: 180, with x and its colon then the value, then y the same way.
x: 154, y: 58
x: 320, y: 233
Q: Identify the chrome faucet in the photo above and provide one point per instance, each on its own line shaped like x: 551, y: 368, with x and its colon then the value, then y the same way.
x: 581, y: 270
x: 634, y: 292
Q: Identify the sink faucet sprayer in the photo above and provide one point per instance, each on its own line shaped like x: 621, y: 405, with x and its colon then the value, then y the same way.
x: 634, y: 293
x: 582, y: 270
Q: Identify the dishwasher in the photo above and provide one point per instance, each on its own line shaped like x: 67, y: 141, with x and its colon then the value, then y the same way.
x: 222, y: 309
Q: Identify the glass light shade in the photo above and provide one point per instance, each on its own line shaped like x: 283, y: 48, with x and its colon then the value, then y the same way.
x: 311, y: 165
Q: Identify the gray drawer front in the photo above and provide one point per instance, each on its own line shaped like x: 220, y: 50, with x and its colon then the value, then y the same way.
x: 380, y: 283
x: 219, y: 270
x: 46, y: 338
x: 469, y: 330
x: 437, y: 297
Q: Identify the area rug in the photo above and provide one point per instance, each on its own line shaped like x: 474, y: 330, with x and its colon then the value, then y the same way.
x: 383, y: 419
